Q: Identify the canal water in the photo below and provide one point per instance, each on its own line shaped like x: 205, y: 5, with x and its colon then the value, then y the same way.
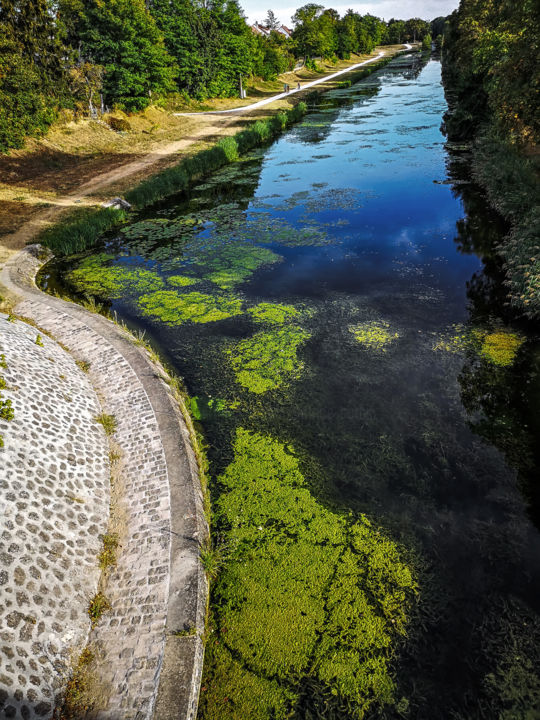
x: 336, y: 310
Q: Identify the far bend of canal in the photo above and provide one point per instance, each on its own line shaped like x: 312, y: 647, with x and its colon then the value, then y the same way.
x: 371, y: 409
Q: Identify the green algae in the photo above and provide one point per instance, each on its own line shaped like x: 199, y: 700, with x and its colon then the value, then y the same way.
x: 273, y: 313
x: 230, y: 265
x: 305, y: 592
x: 501, y: 347
x: 160, y: 229
x: 268, y: 359
x: 497, y: 346
x: 181, y: 281
x: 173, y: 308
x: 94, y: 277
x: 375, y: 335
x: 202, y: 408
x: 453, y: 342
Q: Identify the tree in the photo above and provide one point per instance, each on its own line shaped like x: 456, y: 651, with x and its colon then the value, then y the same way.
x: 396, y: 32
x: 272, y: 23
x: 416, y: 28
x: 26, y: 108
x: 32, y: 79
x: 122, y: 36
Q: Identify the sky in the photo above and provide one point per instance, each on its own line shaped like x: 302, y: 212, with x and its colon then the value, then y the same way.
x: 386, y: 9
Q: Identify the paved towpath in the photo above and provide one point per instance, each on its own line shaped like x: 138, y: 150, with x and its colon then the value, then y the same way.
x: 306, y: 86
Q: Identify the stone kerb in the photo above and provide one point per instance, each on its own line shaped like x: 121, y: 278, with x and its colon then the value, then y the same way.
x: 150, y: 643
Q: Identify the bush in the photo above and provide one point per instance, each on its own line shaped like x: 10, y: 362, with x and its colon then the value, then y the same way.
x: 118, y: 124
x: 26, y: 108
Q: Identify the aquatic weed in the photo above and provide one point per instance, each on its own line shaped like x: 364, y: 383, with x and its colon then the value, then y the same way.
x: 304, y: 591
x: 266, y: 360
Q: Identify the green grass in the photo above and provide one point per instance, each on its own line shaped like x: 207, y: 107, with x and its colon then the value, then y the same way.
x: 107, y: 556
x: 81, y: 229
x: 108, y: 422
x: 97, y: 607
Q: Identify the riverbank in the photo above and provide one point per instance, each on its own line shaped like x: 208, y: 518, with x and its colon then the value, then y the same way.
x: 511, y: 179
x: 144, y: 619
x: 70, y: 169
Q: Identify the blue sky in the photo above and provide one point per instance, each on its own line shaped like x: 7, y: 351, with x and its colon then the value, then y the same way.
x: 427, y: 9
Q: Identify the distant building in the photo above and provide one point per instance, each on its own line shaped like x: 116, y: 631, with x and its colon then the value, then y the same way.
x: 259, y: 29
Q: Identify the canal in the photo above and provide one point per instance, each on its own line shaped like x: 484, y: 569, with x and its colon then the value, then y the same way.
x: 336, y: 309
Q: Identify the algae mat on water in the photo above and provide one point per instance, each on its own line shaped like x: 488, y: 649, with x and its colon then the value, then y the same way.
x: 305, y: 592
x: 266, y: 360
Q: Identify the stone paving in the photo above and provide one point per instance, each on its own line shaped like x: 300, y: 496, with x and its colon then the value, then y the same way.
x: 145, y: 669
x: 54, y: 480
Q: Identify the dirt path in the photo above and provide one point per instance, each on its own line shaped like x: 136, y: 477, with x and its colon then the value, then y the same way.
x: 28, y: 231
x: 284, y: 95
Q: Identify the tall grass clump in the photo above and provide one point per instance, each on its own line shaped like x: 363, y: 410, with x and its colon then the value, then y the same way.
x: 80, y: 229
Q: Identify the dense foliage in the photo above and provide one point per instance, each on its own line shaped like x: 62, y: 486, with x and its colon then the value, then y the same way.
x: 492, y: 77
x: 492, y: 67
x: 89, y: 54
x: 122, y: 37
x: 30, y: 70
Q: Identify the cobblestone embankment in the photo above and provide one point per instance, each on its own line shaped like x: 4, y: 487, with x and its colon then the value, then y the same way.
x: 54, y: 480
x: 149, y: 645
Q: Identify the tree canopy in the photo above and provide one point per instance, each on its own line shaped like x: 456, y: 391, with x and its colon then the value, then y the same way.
x: 128, y: 53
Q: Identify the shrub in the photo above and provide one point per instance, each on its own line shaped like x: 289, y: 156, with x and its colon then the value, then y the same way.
x: 118, y: 124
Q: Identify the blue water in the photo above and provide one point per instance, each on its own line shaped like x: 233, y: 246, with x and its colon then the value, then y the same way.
x: 375, y: 221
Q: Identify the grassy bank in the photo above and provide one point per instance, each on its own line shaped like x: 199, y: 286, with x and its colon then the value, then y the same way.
x: 83, y: 227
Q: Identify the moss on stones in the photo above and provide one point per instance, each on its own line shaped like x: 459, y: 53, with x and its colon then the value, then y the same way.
x: 305, y: 592
x: 266, y: 360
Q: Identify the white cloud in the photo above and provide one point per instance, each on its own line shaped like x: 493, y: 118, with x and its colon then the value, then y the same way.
x: 426, y: 9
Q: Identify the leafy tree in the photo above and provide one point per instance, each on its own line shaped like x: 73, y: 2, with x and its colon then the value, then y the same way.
x: 122, y: 36
x: 31, y: 73
x: 416, y: 29
x: 272, y: 23
x: 346, y: 36
x: 396, y: 32
x: 426, y: 42
x: 492, y: 67
x: 26, y: 108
